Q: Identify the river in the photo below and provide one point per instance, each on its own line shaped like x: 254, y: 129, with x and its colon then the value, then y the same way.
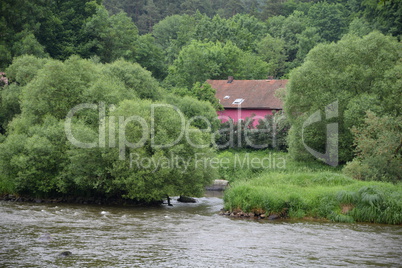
x: 185, y: 235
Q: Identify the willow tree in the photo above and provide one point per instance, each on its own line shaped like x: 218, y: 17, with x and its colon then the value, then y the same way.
x: 105, y: 130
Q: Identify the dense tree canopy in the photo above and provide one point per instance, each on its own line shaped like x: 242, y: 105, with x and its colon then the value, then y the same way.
x: 125, y: 139
x: 199, y: 61
x: 355, y: 72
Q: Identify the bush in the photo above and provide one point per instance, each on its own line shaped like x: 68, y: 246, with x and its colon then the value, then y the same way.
x: 378, y: 149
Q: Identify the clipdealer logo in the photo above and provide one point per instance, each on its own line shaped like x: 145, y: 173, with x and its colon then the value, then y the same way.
x: 330, y: 156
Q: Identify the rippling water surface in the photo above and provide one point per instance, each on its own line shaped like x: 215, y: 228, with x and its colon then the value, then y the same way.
x: 185, y: 235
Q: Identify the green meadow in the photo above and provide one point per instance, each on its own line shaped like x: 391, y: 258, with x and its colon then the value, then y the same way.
x: 300, y: 190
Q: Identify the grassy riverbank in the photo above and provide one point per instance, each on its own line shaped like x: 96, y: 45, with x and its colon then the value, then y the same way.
x: 242, y: 165
x: 312, y: 190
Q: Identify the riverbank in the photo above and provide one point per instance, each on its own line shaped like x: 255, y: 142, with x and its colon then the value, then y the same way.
x: 118, y: 201
x: 317, y: 195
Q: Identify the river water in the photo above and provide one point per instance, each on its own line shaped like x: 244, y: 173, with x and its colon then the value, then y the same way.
x: 185, y: 235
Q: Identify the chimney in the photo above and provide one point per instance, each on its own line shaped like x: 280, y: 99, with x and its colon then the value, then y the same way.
x: 230, y: 79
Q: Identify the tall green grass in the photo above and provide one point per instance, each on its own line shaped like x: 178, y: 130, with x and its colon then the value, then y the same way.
x: 237, y: 164
x: 320, y: 194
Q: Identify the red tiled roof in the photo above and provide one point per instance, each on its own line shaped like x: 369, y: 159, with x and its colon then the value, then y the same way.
x: 257, y: 94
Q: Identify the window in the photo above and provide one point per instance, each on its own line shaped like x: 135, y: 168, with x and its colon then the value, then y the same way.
x: 226, y: 97
x: 238, y: 101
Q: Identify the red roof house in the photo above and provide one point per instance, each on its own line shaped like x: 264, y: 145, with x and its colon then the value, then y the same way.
x: 245, y: 98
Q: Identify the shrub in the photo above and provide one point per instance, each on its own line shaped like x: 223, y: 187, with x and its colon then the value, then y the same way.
x: 378, y: 149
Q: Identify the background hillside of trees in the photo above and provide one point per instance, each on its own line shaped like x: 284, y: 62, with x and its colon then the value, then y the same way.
x: 276, y: 35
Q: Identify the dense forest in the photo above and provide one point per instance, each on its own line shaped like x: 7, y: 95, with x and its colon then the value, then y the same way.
x: 133, y: 55
x: 276, y: 35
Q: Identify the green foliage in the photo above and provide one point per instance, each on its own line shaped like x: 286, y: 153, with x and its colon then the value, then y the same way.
x: 378, y: 146
x: 109, y: 37
x: 272, y: 131
x: 384, y: 16
x: 135, y: 78
x: 198, y: 62
x: 241, y: 30
x: 28, y: 45
x: 154, y: 182
x: 21, y: 72
x: 24, y: 69
x: 306, y: 41
x: 353, y: 72
x: 201, y: 112
x: 5, y: 56
x: 57, y: 88
x: 150, y: 56
x: 32, y: 161
x: 330, y: 19
x: 359, y: 27
x: 56, y: 26
x: 289, y: 30
x: 172, y: 28
x: 45, y: 154
x: 173, y: 33
x: 205, y: 92
x: 9, y: 105
x: 325, y: 195
x: 272, y: 50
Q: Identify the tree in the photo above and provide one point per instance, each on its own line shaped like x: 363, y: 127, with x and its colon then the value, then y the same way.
x: 241, y: 30
x: 378, y: 149
x: 306, y: 40
x: 5, y: 56
x: 272, y: 50
x: 384, y: 16
x: 202, y: 112
x: 58, y: 87
x: 78, y: 125
x: 149, y: 18
x: 169, y: 29
x: 24, y: 69
x: 28, y: 45
x: 199, y: 61
x: 290, y: 29
x: 150, y: 56
x: 145, y: 181
x: 330, y: 19
x: 9, y: 105
x: 32, y: 161
x: 56, y: 26
x: 344, y: 72
x: 110, y: 37
x: 202, y: 92
x: 273, y: 8
x: 173, y: 33
x: 360, y: 27
x: 136, y: 79
x: 190, y: 7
